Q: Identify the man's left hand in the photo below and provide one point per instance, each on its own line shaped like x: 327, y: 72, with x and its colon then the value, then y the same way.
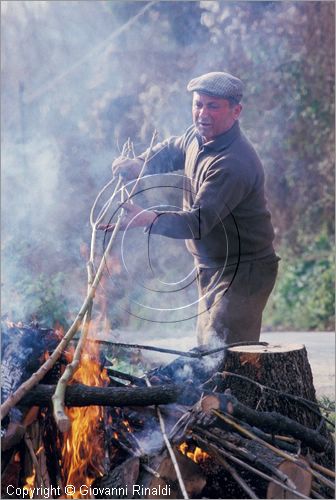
x: 134, y: 216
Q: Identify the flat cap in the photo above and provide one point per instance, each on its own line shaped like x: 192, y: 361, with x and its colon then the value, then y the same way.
x: 218, y: 84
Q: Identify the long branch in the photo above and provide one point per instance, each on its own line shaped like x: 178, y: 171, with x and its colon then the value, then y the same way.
x: 36, y: 377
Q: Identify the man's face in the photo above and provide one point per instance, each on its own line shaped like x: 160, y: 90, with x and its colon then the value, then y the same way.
x: 213, y: 116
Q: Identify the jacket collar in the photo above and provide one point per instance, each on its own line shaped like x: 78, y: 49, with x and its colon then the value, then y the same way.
x: 224, y: 140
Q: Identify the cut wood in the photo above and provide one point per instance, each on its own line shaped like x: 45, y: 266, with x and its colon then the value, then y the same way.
x: 119, y: 482
x: 193, y: 477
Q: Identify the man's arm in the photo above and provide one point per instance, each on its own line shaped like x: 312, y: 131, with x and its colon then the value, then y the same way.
x: 222, y: 190
x: 167, y: 156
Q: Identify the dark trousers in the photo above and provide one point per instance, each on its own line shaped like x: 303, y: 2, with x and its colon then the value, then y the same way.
x: 230, y: 307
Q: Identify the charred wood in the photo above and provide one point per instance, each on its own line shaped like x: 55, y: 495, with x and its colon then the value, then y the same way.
x: 83, y: 395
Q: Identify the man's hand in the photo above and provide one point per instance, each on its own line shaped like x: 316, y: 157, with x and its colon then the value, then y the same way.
x: 134, y: 216
x: 126, y: 167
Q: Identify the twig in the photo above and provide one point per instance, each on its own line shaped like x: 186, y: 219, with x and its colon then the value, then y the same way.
x: 61, y: 419
x: 281, y: 393
x: 256, y: 460
x: 314, y: 494
x: 29, y: 445
x: 125, y: 376
x: 234, y: 344
x: 320, y: 468
x: 247, y: 466
x: 149, y: 151
x: 147, y: 348
x: 232, y: 471
x: 188, y: 354
x: 135, y: 453
x: 170, y: 449
x: 101, y: 192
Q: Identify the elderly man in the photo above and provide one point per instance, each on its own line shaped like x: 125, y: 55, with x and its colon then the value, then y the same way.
x: 224, y: 220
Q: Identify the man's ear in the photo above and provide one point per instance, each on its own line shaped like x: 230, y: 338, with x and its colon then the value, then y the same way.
x: 237, y: 111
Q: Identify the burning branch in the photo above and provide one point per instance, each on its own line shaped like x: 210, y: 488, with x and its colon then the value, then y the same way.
x: 24, y: 388
x: 62, y: 420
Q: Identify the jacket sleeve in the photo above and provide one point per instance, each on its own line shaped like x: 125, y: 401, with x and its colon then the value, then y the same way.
x: 169, y: 155
x: 223, y: 188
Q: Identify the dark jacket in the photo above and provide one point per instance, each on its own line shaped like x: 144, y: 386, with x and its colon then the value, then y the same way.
x: 224, y: 215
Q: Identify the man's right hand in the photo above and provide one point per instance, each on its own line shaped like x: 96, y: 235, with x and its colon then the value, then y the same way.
x: 126, y: 167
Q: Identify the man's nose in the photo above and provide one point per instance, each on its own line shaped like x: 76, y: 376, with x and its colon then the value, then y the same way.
x: 203, y: 112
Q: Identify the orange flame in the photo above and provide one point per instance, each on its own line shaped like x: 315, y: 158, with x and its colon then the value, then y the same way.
x: 198, y: 455
x: 30, y: 483
x: 83, y: 449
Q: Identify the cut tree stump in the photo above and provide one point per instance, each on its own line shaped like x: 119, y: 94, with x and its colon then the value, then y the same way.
x: 282, y: 367
x: 285, y: 368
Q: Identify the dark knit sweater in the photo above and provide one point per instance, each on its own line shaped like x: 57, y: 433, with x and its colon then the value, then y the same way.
x: 224, y: 216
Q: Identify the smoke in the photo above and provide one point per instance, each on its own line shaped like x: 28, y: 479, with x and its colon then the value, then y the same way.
x: 79, y: 78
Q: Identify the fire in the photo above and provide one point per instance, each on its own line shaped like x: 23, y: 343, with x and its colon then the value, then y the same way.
x: 198, y: 455
x: 83, y: 448
x: 127, y: 425
x: 30, y: 483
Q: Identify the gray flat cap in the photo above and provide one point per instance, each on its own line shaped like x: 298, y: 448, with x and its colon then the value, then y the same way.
x: 218, y: 84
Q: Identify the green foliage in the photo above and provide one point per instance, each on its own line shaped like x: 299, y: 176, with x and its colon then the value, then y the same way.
x: 330, y: 412
x: 40, y: 298
x: 304, y: 295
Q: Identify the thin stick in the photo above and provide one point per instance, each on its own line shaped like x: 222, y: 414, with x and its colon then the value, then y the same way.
x: 187, y: 354
x: 281, y: 393
x: 102, y: 191
x: 320, y: 468
x: 135, y: 453
x: 58, y: 399
x: 29, y: 445
x: 232, y: 471
x: 108, y: 203
x: 149, y: 151
x: 234, y: 344
x: 170, y: 449
x: 247, y: 466
x: 248, y: 455
x: 125, y: 376
x: 147, y: 348
x: 281, y: 453
x: 314, y: 494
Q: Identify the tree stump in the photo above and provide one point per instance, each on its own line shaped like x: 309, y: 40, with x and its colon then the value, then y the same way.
x: 284, y: 368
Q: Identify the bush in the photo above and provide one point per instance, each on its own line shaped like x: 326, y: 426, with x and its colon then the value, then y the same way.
x: 304, y: 296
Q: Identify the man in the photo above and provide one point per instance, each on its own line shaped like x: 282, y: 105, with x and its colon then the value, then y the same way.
x: 224, y: 220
